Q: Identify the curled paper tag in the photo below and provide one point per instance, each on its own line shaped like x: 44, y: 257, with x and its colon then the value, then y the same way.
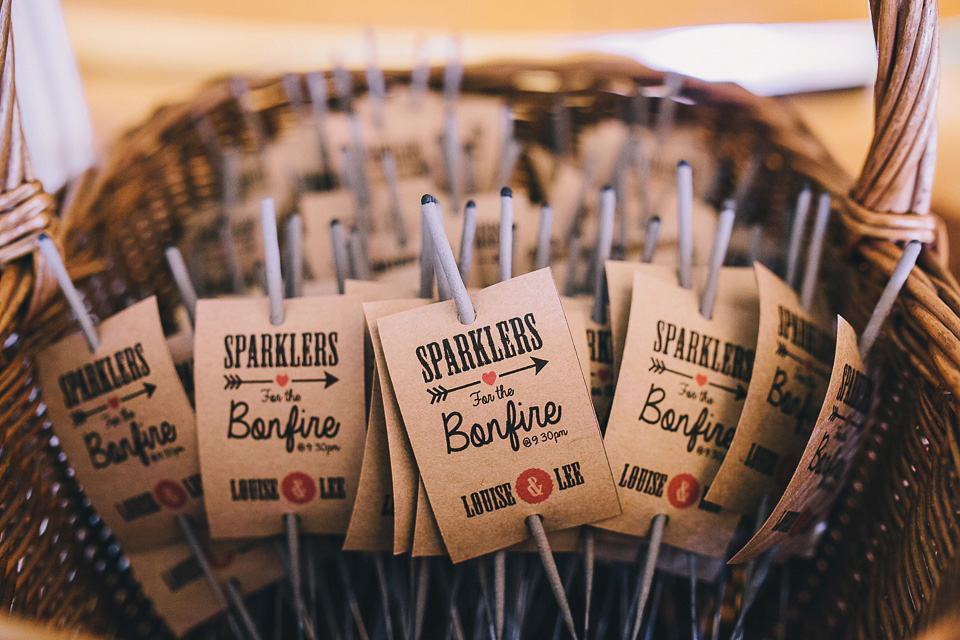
x: 280, y: 413
x: 794, y: 358
x: 680, y: 393
x: 793, y: 525
x: 124, y: 421
x: 498, y: 416
x: 173, y: 580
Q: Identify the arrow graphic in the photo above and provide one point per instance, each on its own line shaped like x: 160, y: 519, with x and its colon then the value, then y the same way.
x: 658, y: 366
x: 235, y: 381
x: 537, y: 362
x: 739, y: 393
x: 439, y: 393
x: 147, y: 389
x: 80, y: 416
x: 327, y: 379
x: 783, y: 351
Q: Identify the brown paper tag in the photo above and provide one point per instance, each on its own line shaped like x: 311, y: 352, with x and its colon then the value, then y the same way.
x: 600, y: 353
x: 124, y: 421
x: 413, y: 135
x: 498, y: 416
x: 319, y: 209
x: 825, y: 462
x: 375, y: 291
x: 790, y: 377
x: 174, y: 582
x: 427, y: 540
x: 679, y: 396
x: 577, y: 322
x: 247, y: 237
x: 485, y: 266
x: 180, y: 346
x: 372, y: 291
x: 280, y: 413
x: 620, y: 290
x: 371, y: 523
x: 409, y: 146
x: 403, y: 468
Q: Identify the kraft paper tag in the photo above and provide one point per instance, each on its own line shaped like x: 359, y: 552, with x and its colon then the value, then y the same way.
x: 372, y: 291
x: 498, y: 416
x: 413, y: 135
x: 577, y: 322
x: 172, y: 579
x: 124, y: 421
x: 825, y: 462
x: 427, y: 540
x: 403, y: 468
x: 180, y: 346
x: 412, y: 145
x: 620, y: 294
x: 319, y: 209
x: 485, y: 266
x: 481, y: 130
x: 371, y: 523
x: 679, y: 396
x: 566, y: 188
x: 375, y: 291
x: 601, y: 143
x: 794, y: 360
x: 247, y: 238
x: 280, y: 411
x: 600, y: 351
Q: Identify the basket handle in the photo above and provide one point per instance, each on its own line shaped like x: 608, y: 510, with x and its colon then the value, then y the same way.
x: 896, y: 181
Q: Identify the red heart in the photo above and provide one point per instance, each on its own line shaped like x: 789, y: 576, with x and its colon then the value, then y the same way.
x: 282, y: 379
x: 114, y: 402
x: 489, y: 378
x: 603, y: 374
x: 701, y: 379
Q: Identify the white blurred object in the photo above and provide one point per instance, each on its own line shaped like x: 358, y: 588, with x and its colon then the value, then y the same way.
x: 767, y: 59
x: 55, y: 118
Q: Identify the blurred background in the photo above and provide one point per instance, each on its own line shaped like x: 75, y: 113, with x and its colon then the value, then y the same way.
x: 136, y: 54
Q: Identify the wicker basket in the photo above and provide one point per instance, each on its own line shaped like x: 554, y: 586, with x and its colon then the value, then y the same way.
x: 889, y: 561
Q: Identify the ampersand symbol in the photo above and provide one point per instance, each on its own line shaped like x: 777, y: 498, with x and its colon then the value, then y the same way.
x: 298, y: 487
x: 534, y: 485
x: 683, y: 490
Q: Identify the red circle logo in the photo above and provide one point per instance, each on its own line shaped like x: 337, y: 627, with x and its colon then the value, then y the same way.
x: 170, y: 494
x: 534, y: 486
x: 298, y: 487
x: 785, y: 468
x: 683, y: 490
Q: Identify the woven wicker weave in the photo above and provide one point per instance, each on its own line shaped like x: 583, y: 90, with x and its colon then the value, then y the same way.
x: 891, y: 554
x: 57, y: 562
x: 891, y: 562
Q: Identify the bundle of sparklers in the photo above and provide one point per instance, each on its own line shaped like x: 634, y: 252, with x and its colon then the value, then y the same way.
x: 626, y: 375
